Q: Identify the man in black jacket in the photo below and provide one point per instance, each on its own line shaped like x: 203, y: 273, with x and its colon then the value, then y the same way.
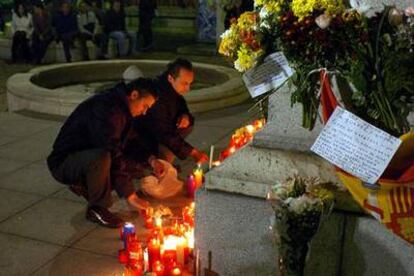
x: 170, y: 120
x: 88, y: 152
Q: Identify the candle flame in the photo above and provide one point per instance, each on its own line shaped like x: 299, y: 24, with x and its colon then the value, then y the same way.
x: 158, y: 222
x: 250, y: 129
x: 176, y: 271
x: 189, y: 235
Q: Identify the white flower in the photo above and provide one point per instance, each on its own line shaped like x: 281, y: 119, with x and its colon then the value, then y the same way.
x: 409, y: 11
x: 263, y: 13
x: 304, y: 203
x: 364, y: 8
x: 323, y: 21
x: 226, y: 33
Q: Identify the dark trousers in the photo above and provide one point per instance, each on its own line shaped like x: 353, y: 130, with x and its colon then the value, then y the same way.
x: 68, y: 40
x: 91, y: 170
x: 96, y: 171
x: 145, y: 29
x: 100, y: 40
x: 39, y: 47
x: 20, y: 47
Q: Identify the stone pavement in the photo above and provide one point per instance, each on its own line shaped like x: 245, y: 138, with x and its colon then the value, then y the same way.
x: 42, y: 226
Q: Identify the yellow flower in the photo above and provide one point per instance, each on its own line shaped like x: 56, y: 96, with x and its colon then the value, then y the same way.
x: 303, y: 8
x: 246, y: 58
x: 229, y: 42
x: 247, y: 21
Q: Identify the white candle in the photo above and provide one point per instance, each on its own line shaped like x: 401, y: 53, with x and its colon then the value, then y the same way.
x: 210, y: 164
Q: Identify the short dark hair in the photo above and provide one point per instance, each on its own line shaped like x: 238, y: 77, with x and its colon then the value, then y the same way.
x: 145, y: 86
x: 173, y: 68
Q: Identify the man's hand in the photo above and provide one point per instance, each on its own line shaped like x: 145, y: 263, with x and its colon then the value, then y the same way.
x: 183, y: 121
x: 199, y: 156
x: 138, y: 203
x: 157, y: 166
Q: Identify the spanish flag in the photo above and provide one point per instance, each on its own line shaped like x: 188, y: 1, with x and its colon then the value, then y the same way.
x: 391, y: 200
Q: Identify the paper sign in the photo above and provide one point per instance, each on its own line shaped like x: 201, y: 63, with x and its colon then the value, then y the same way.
x: 274, y: 71
x: 356, y: 146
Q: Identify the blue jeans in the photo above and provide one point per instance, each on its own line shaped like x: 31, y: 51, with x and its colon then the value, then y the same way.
x: 121, y: 37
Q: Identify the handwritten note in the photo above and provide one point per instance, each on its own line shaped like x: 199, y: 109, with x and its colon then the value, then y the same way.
x: 274, y: 71
x: 356, y: 146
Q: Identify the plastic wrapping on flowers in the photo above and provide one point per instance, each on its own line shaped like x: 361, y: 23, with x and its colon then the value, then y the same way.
x: 301, y: 205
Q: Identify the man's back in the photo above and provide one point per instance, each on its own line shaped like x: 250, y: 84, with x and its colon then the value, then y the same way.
x: 98, y: 122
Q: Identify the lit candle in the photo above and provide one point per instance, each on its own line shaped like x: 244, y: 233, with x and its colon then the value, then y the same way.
x: 127, y: 230
x: 158, y: 222
x: 198, y: 176
x: 149, y: 223
x: 232, y: 150
x: 191, y: 186
x: 176, y: 271
x: 190, y: 238
x: 135, y: 252
x: 154, y: 251
x: 250, y: 129
x: 170, y: 252
x: 216, y: 163
x: 181, y: 242
x: 158, y: 226
x: 158, y: 268
x: 147, y: 267
x: 188, y: 216
x: 135, y: 270
x: 123, y: 256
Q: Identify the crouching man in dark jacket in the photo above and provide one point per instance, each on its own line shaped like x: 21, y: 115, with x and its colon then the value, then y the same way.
x: 88, y: 152
x: 170, y: 120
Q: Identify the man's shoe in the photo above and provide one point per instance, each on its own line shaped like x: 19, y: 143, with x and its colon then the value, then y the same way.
x: 103, y: 217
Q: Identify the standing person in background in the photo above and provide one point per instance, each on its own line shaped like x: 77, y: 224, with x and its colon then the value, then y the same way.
x: 2, y: 23
x: 66, y: 27
x: 88, y: 30
x: 42, y: 34
x: 115, y: 27
x: 22, y: 29
x: 146, y: 14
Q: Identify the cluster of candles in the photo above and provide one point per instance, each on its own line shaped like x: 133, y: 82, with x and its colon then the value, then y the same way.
x: 240, y: 138
x: 166, y: 251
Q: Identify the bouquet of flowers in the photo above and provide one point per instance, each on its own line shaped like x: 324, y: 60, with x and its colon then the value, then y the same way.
x: 241, y: 42
x: 300, y: 205
x: 372, y: 51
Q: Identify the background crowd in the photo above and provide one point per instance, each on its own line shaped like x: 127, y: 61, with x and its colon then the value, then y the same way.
x: 35, y: 26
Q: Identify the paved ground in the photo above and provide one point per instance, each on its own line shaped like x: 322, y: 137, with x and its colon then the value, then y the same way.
x: 42, y: 226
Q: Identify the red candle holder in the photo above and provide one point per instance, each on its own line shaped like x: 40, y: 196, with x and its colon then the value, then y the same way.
x: 169, y: 259
x: 154, y: 253
x: 176, y: 271
x: 149, y: 223
x: 158, y: 268
x: 123, y: 256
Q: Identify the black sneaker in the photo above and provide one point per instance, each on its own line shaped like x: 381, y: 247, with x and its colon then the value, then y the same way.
x: 103, y: 217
